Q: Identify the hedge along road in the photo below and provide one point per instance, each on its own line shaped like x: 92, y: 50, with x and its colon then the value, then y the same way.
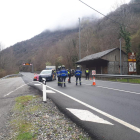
x: 108, y: 110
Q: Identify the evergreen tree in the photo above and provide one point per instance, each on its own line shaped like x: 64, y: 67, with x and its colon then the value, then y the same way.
x: 126, y: 36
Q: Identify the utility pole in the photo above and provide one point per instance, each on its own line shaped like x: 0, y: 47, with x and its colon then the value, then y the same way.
x: 120, y: 58
x: 79, y: 41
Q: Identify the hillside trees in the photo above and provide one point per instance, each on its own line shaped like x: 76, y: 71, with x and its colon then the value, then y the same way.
x: 126, y: 36
x: 67, y: 51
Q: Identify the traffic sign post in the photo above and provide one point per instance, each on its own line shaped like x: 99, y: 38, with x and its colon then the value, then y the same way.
x: 93, y: 72
x: 132, y: 63
x: 28, y: 64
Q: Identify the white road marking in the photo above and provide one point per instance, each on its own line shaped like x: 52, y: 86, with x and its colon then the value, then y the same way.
x: 118, y: 90
x: 121, y: 83
x: 99, y: 111
x: 37, y: 84
x: 49, y: 91
x: 86, y: 115
x: 114, y: 89
x: 16, y: 89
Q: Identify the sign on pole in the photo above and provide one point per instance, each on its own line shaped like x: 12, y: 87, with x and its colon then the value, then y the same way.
x: 132, y: 63
x: 93, y: 72
x: 27, y: 64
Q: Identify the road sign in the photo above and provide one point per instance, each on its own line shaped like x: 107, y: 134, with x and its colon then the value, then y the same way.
x: 132, y: 63
x: 93, y: 72
x: 27, y: 64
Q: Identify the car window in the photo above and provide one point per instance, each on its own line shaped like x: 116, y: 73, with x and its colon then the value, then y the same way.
x: 46, y: 72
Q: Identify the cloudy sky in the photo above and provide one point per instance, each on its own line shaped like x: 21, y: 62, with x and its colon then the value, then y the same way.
x: 23, y: 19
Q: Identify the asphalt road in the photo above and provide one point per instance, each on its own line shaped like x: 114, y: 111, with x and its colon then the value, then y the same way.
x: 10, y: 89
x: 108, y: 111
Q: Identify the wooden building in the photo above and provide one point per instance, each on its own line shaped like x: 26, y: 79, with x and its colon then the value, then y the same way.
x: 105, y: 62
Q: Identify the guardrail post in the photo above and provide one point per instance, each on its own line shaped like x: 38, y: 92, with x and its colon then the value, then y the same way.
x: 44, y: 93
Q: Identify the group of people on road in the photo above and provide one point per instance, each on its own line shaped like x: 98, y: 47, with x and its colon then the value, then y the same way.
x: 62, y: 74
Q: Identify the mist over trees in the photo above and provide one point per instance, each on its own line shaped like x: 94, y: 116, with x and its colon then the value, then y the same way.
x: 62, y: 46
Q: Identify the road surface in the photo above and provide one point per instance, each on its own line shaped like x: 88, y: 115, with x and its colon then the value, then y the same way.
x: 108, y: 111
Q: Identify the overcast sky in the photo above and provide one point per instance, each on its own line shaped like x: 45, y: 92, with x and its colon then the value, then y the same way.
x: 23, y: 19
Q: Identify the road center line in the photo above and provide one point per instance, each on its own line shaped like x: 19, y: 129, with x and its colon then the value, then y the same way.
x: 115, y: 89
x: 99, y: 111
x: 118, y: 89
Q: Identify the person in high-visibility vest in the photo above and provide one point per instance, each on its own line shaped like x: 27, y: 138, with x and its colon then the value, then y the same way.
x: 69, y: 75
x: 87, y: 73
x: 78, y: 74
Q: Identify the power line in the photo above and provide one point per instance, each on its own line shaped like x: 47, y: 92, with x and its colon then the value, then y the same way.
x: 100, y: 13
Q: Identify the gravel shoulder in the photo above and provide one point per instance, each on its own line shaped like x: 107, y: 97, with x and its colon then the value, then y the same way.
x: 31, y: 118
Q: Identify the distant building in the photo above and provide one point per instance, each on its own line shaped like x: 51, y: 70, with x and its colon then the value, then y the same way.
x: 106, y: 62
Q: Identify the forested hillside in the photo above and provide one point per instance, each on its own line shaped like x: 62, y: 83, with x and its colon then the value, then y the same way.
x: 62, y: 46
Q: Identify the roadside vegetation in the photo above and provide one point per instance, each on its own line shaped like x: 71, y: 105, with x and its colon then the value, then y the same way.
x: 136, y: 81
x: 21, y: 126
x: 32, y: 119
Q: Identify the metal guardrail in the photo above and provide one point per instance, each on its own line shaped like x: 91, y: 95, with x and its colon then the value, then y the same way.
x: 12, y: 75
x: 117, y: 76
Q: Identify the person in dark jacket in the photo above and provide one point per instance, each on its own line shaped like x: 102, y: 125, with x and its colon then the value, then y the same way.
x: 78, y: 74
x: 63, y: 74
x: 58, y: 75
x: 87, y: 73
x: 69, y: 75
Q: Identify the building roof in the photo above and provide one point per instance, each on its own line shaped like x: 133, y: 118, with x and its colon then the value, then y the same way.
x: 96, y: 55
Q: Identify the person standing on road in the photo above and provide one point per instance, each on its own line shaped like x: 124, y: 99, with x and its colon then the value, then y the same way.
x: 58, y: 75
x: 87, y: 73
x: 63, y: 74
x: 78, y: 74
x: 69, y: 75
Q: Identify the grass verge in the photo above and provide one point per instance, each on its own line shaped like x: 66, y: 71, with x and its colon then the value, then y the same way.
x: 136, y: 81
x: 21, y: 125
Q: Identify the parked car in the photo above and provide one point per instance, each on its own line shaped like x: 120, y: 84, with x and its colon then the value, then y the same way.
x: 36, y: 77
x: 47, y: 75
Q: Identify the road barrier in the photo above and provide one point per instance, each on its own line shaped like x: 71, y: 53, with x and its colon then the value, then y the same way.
x: 106, y: 76
x: 12, y: 75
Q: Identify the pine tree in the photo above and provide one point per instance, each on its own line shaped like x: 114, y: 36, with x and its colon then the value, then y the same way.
x: 126, y: 36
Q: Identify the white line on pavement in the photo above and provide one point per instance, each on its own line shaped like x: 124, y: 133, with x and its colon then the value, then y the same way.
x: 16, y: 89
x: 99, y: 111
x: 86, y: 115
x: 49, y: 91
x: 115, y: 89
x: 120, y: 83
x: 118, y: 89
x: 37, y: 84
